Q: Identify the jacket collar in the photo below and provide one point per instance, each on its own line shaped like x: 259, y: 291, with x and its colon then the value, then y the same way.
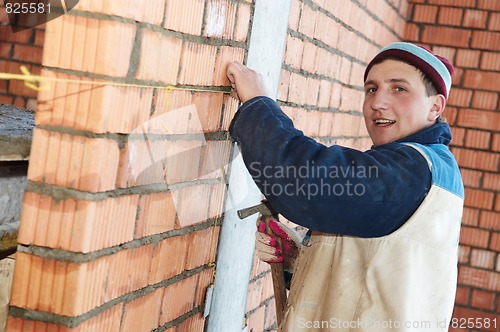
x: 438, y: 133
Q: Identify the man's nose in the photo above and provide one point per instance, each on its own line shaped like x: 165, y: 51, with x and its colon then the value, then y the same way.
x: 380, y: 101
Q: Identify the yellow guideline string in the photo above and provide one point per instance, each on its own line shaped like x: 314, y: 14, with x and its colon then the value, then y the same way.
x: 35, y: 82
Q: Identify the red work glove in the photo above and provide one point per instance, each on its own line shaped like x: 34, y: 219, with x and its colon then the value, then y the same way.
x: 268, y: 246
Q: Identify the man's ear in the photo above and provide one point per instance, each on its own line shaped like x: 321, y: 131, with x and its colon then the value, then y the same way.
x: 437, y: 108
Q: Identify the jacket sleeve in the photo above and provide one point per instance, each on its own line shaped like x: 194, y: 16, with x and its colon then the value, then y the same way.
x: 328, y: 189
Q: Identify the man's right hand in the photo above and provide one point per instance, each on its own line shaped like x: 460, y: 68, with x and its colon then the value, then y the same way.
x: 268, y: 245
x: 245, y: 82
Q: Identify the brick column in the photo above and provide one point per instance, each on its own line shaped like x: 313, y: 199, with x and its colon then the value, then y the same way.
x: 126, y: 186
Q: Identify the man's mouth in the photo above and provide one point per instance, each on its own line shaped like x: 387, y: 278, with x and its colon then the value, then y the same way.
x: 383, y: 122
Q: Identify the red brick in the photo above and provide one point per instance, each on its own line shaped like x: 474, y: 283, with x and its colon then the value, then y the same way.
x: 450, y: 16
x: 474, y: 237
x: 156, y: 214
x: 270, y: 315
x: 307, y: 21
x: 298, y: 84
x: 39, y: 38
x: 490, y: 61
x: 21, y: 37
x: 470, y: 216
x: 28, y: 53
x: 150, y: 12
x: 467, y: 58
x: 309, y: 57
x: 425, y: 14
x: 88, y: 164
x: 492, y: 181
x: 483, y: 300
x: 207, y: 109
x: 462, y: 295
x: 195, y: 323
x: 460, y: 97
x: 457, y: 3
x: 80, y: 226
x: 243, y: 22
x: 174, y: 251
x: 446, y: 36
x: 99, y: 109
x: 128, y: 271
x: 481, y: 80
x: 482, y: 258
x: 202, y: 247
x: 256, y: 319
x: 412, y: 32
x: 294, y: 16
x: 155, y: 48
x: 495, y: 242
x: 478, y: 198
x: 497, y: 203
x: 496, y: 142
x: 487, y: 40
x: 184, y: 16
x: 470, y: 276
x: 39, y: 282
x: 463, y: 254
x: 219, y: 19
x: 311, y: 96
x: 450, y: 115
x: 197, y: 64
x: 475, y: 19
x: 488, y: 5
x: 143, y: 313
x: 471, y: 178
x: 458, y: 136
x: 494, y: 23
x: 205, y: 279
x: 294, y: 51
x: 100, y: 46
x: 463, y: 314
x: 478, y: 119
x: 178, y: 299
x: 490, y: 220
x: 477, y: 139
x: 485, y: 100
x: 284, y: 83
x: 254, y: 291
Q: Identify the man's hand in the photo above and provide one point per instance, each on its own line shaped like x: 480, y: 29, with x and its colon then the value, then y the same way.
x: 245, y: 82
x: 268, y: 245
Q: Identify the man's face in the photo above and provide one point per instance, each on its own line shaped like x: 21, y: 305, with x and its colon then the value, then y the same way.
x: 396, y: 103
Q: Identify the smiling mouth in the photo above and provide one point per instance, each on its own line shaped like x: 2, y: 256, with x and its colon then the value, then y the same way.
x: 383, y: 122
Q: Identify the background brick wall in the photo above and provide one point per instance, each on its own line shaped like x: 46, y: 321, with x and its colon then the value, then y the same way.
x: 126, y: 188
x: 468, y: 33
x: 21, y: 48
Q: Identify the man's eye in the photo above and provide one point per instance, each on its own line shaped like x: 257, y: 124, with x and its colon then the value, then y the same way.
x: 371, y: 90
x: 400, y: 89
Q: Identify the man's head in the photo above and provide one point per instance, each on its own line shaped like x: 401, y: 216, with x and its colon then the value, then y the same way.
x: 406, y: 88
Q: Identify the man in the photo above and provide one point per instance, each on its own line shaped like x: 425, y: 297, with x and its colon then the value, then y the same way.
x: 384, y: 224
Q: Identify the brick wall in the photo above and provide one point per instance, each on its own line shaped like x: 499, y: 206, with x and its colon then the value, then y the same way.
x: 468, y: 32
x: 17, y: 49
x: 126, y: 187
x: 328, y: 46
